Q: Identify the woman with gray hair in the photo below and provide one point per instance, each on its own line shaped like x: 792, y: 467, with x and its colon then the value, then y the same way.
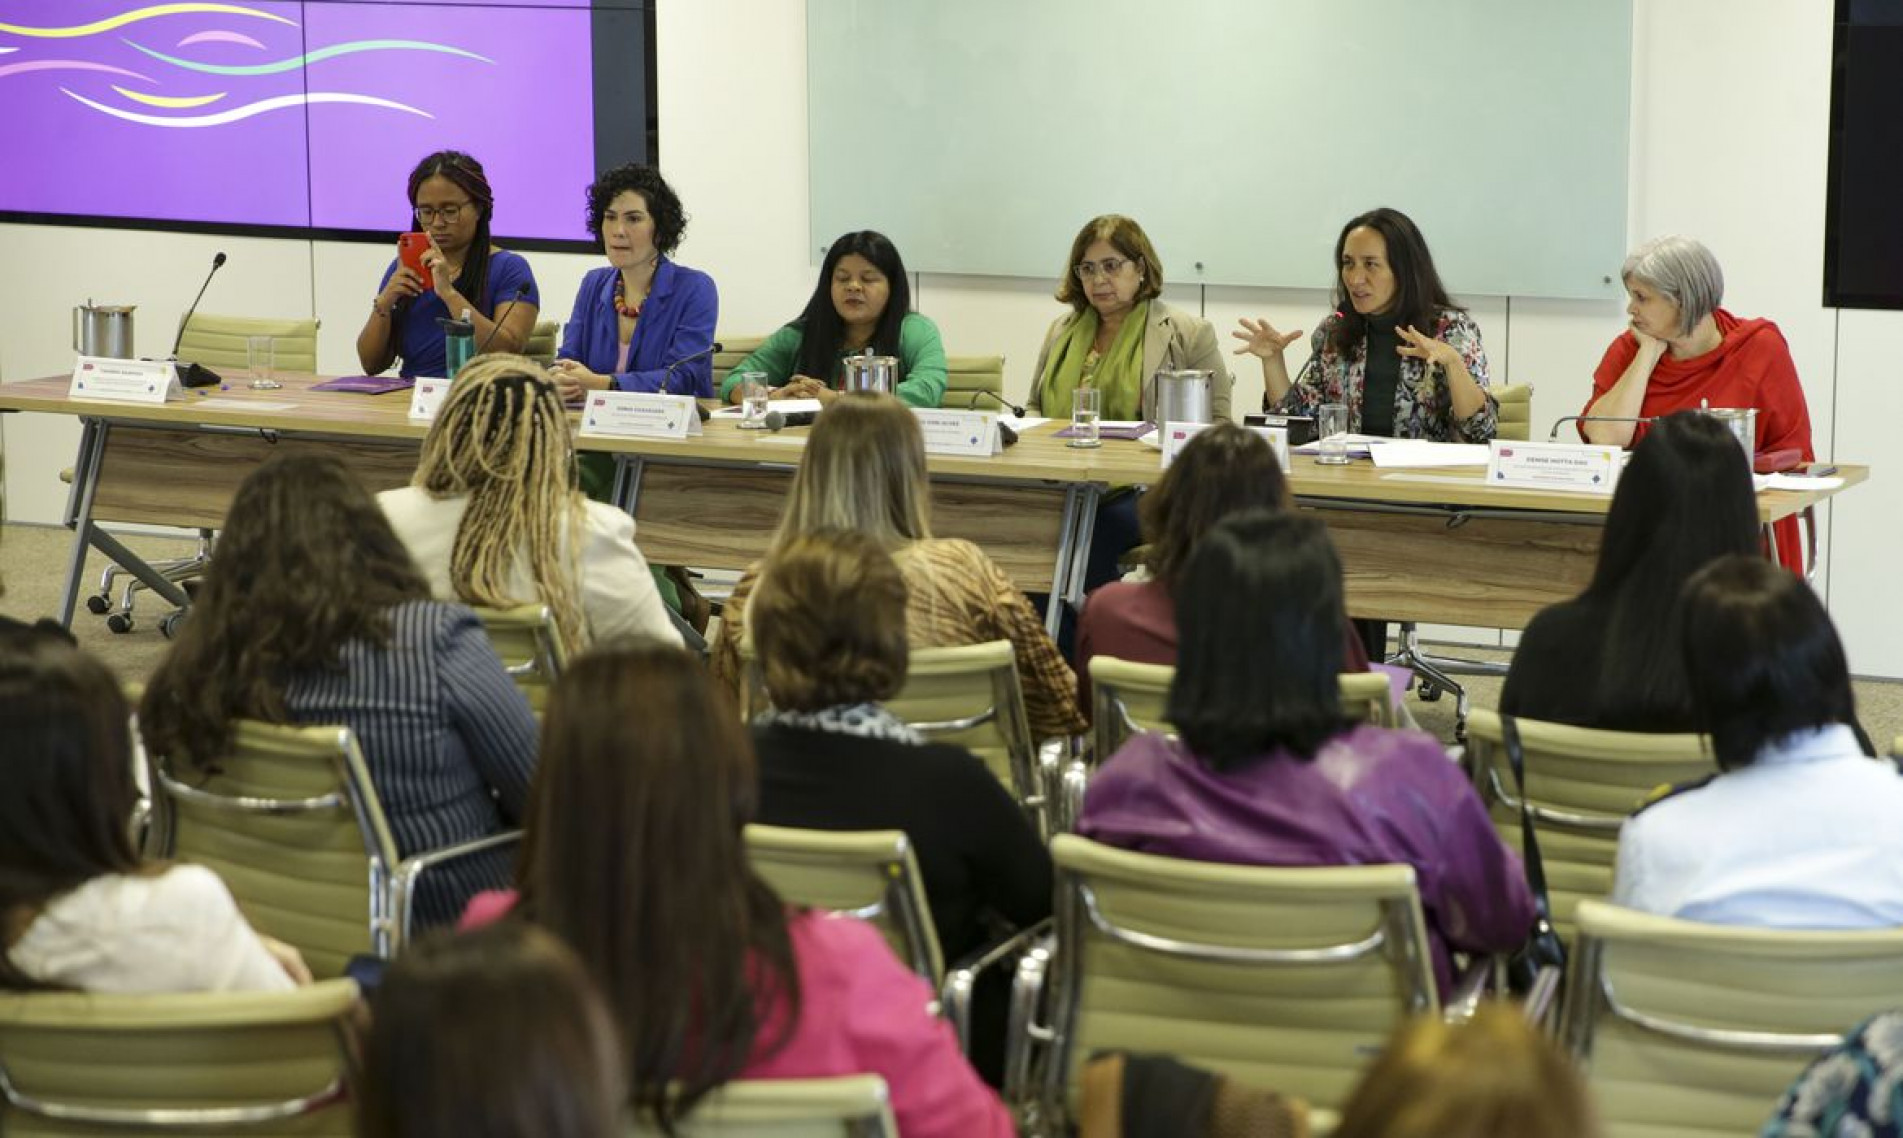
x: 1682, y: 351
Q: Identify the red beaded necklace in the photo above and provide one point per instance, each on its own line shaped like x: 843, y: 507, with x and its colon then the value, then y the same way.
x: 631, y: 311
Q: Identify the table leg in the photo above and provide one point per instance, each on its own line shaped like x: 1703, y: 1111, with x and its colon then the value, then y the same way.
x: 1060, y: 573
x: 627, y: 488
x: 79, y: 510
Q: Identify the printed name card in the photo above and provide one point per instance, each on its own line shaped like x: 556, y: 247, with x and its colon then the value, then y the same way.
x: 1176, y: 436
x: 123, y: 381
x: 1578, y: 468
x: 638, y: 415
x: 426, y: 398
x: 959, y: 432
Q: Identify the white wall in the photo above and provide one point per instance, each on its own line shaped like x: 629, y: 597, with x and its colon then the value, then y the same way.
x: 1730, y: 106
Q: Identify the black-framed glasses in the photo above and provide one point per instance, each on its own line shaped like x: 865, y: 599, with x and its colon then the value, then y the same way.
x: 1108, y: 267
x: 425, y: 215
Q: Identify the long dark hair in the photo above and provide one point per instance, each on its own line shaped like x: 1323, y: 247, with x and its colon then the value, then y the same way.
x: 634, y: 857
x: 466, y: 173
x: 306, y: 563
x: 491, y: 1033
x: 1761, y: 658
x: 66, y: 756
x: 1418, y: 294
x: 823, y: 333
x: 1259, y: 650
x: 1223, y: 470
x: 1684, y: 500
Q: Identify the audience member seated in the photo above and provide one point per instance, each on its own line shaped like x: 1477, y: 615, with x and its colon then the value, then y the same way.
x: 828, y: 620
x: 862, y: 303
x: 495, y: 1033
x: 634, y: 857
x: 1799, y: 831
x: 312, y: 613
x: 864, y: 471
x: 1855, y: 1089
x: 1682, y: 350
x: 1495, y: 1076
x: 1223, y: 469
x: 81, y: 910
x: 1269, y: 771
x: 494, y: 517
x: 1609, y: 658
x: 453, y: 206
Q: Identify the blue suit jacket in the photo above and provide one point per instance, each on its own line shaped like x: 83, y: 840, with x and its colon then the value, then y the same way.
x: 676, y: 322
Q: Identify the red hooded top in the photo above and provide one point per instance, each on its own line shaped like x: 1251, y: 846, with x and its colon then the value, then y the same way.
x: 1750, y: 367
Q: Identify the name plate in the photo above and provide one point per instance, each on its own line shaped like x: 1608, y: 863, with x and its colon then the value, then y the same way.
x: 1578, y: 468
x: 639, y: 415
x: 1176, y: 436
x: 123, y: 381
x: 959, y: 432
x: 426, y: 398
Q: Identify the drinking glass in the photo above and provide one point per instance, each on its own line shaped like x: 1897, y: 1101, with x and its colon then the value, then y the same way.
x: 1331, y: 428
x: 1086, y: 408
x: 261, y: 354
x: 754, y: 393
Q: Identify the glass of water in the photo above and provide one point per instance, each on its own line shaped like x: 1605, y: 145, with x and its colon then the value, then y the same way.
x: 753, y: 400
x: 261, y: 354
x: 1086, y: 408
x: 1331, y: 429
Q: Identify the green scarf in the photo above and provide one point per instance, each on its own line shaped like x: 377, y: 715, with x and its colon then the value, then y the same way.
x: 1119, y: 373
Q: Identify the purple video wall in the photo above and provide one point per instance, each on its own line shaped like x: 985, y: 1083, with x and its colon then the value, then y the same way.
x: 301, y: 115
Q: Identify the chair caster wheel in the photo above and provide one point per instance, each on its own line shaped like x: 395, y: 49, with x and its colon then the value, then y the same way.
x: 119, y: 622
x: 168, y: 624
x: 1429, y: 691
x: 98, y: 606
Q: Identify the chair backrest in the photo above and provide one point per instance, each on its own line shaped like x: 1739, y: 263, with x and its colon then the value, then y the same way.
x: 1691, y: 1029
x: 1515, y: 419
x: 844, y: 1106
x: 530, y: 647
x: 542, y: 346
x: 291, y: 822
x: 220, y: 341
x: 969, y: 696
x: 177, y: 1063
x: 968, y: 374
x: 733, y: 349
x: 1127, y: 697
x: 1283, y: 979
x: 1581, y: 784
x: 868, y: 874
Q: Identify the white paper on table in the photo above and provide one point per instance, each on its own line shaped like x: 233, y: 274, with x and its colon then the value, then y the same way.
x: 225, y: 404
x: 1024, y: 424
x: 1416, y: 452
x: 1798, y: 482
x: 783, y: 406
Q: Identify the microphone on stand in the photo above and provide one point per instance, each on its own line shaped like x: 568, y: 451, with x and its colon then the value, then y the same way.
x: 1634, y: 419
x: 495, y: 325
x: 196, y: 375
x: 1007, y: 434
x: 667, y: 375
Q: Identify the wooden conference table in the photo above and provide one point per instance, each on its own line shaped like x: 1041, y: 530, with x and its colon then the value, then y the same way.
x: 1430, y: 546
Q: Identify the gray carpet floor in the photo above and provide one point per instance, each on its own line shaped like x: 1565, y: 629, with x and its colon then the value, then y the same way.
x: 33, y: 561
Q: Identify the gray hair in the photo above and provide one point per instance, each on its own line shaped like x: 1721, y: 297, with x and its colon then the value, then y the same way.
x: 1684, y: 272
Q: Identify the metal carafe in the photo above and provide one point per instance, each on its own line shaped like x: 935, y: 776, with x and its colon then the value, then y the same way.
x: 872, y: 373
x: 1183, y: 396
x: 103, y: 330
x: 1742, y: 422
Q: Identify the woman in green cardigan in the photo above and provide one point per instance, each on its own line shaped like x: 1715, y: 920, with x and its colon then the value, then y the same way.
x: 863, y: 301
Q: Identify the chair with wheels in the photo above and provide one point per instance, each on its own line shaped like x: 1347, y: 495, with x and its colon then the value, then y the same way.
x: 531, y: 650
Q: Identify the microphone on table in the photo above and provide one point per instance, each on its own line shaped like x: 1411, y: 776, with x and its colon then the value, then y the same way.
x: 667, y: 374
x: 1007, y: 434
x: 1563, y: 420
x: 495, y: 325
x: 196, y: 375
x: 775, y: 420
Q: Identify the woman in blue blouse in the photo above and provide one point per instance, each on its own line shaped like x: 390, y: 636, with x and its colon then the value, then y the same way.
x: 453, y: 205
x: 641, y: 314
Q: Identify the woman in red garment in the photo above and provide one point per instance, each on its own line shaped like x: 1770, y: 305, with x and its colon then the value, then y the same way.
x: 1682, y: 351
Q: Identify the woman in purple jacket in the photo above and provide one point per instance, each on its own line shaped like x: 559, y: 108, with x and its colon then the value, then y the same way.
x: 1269, y: 771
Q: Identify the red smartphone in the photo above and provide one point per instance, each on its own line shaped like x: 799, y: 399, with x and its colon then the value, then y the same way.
x: 410, y: 249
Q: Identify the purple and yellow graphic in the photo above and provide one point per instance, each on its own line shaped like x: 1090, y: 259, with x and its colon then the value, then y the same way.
x: 288, y: 113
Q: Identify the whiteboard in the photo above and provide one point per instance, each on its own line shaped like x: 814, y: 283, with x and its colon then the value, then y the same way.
x: 981, y: 134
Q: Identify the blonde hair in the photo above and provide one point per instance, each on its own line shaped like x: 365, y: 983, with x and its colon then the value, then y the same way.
x: 1127, y: 238
x: 863, y: 471
x: 1495, y: 1076
x: 501, y: 440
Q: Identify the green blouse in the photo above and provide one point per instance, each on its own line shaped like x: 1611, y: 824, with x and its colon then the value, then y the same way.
x: 921, y: 362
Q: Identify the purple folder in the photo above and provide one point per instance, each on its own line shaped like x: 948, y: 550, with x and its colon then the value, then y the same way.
x: 365, y: 384
x: 1104, y: 432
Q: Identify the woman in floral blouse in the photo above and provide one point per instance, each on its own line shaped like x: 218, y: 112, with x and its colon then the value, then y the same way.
x: 1405, y: 359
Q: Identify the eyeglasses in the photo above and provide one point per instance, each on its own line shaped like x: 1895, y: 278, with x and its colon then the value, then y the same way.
x: 1108, y: 267
x: 449, y: 213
